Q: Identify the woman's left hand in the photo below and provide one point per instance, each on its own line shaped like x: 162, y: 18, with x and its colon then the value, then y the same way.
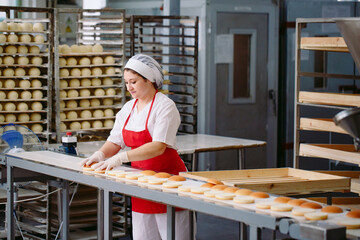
x: 112, y: 162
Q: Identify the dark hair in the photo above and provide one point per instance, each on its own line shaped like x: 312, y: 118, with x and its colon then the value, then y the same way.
x: 135, y: 72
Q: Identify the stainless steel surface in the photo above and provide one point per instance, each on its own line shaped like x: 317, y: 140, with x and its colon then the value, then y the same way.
x: 349, y: 120
x: 350, y: 30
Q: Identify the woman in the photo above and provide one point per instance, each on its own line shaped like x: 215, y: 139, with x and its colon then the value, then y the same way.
x: 148, y: 124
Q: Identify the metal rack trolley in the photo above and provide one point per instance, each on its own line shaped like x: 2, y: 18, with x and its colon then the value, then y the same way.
x: 43, y: 71
x: 173, y: 41
x: 105, y: 27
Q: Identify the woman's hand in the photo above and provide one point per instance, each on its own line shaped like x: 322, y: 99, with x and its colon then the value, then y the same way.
x: 112, y: 162
x: 97, y: 157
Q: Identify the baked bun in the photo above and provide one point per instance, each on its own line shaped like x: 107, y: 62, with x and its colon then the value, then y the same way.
x: 99, y: 171
x: 219, y: 187
x: 281, y: 207
x: 133, y: 176
x: 185, y: 188
x: 114, y: 172
x: 171, y: 184
x: 350, y: 223
x: 282, y: 199
x: 301, y: 211
x: 214, y: 181
x: 259, y: 195
x: 177, y: 178
x: 264, y: 205
x: 148, y: 172
x: 199, y: 190
x: 316, y: 216
x: 332, y: 209
x: 224, y: 196
x: 243, y: 192
x: 88, y: 167
x: 354, y: 213
x: 208, y: 185
x: 157, y: 181
x: 312, y: 205
x: 296, y: 202
x: 244, y: 199
x: 231, y: 189
x: 211, y: 193
x: 162, y: 175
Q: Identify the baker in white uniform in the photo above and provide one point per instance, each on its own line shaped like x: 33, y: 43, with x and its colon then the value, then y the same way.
x: 148, y: 124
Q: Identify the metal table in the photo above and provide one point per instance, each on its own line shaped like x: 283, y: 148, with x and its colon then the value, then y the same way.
x: 192, y: 144
x: 49, y: 164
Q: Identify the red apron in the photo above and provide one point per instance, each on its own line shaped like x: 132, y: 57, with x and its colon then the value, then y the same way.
x: 169, y: 162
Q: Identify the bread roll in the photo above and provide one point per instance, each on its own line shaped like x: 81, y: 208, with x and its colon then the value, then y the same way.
x: 11, y: 49
x: 301, y: 211
x: 82, y: 49
x: 225, y: 196
x: 108, y: 102
x: 133, y: 176
x: 2, y: 118
x: 38, y: 27
x: 74, y: 48
x: 72, y: 93
x: 207, y: 185
x: 64, y: 72
x: 22, y: 49
x: 71, y: 104
x: 85, y: 114
x: 85, y: 92
x: 108, y: 112
x: 281, y: 207
x: 71, y: 61
x: 185, y: 188
x: 34, y: 72
x: 110, y: 71
x: 312, y: 205
x: 8, y: 72
x: 20, y: 72
x: 230, y: 189
x: 110, y: 92
x: 36, y: 60
x: 62, y: 62
x: 199, y: 190
x: 243, y: 192
x: 63, y: 127
x: 9, y: 84
x: 264, y: 205
x: 355, y: 213
x: 35, y: 116
x: 13, y: 26
x: 332, y: 209
x: 88, y: 167
x: 63, y: 83
x: 2, y: 38
x: 75, y: 72
x: 34, y: 49
x: 71, y: 115
x: 1, y: 107
x: 9, y: 107
x: 10, y: 118
x: 99, y: 92
x: 25, y: 95
x: 74, y: 83
x: 36, y: 128
x: 8, y: 60
x: 2, y: 95
x: 171, y: 184
x: 214, y: 181
x: 27, y: 27
x: 62, y: 103
x: 65, y: 49
x: 23, y: 117
x: 244, y: 199
x: 63, y: 94
x: 97, y: 60
x: 296, y: 202
x: 177, y: 178
x: 25, y: 38
x: 84, y: 61
x: 85, y: 82
x: 39, y: 39
x: 108, y: 123
x: 98, y: 113
x: 316, y: 216
x: 95, y: 102
x: 148, y: 172
x: 97, y: 124
x: 75, y: 126
x: 85, y: 125
x: 219, y: 187
x: 3, y: 26
x: 35, y: 83
x: 162, y: 175
x: 88, y: 48
x: 62, y: 116
x: 108, y: 81
x: 84, y: 103
x: 95, y: 81
x: 85, y: 72
x: 109, y: 60
x: 12, y: 38
x: 350, y: 223
x: 97, y: 48
x: 22, y: 60
x: 96, y: 71
x: 22, y: 107
x: 36, y: 106
x: 282, y: 199
x: 24, y: 83
x: 259, y: 195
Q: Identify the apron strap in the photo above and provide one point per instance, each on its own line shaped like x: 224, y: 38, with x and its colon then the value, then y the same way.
x: 147, y: 119
x: 130, y: 113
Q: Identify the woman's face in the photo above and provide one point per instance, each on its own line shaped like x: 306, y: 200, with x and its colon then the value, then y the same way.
x: 137, y: 85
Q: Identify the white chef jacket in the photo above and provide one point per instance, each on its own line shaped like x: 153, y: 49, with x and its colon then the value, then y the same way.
x: 163, y: 124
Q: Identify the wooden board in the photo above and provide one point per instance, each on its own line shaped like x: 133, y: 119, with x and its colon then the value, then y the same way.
x: 276, y: 180
x: 333, y: 99
x: 336, y: 44
x: 320, y: 124
x: 339, y: 152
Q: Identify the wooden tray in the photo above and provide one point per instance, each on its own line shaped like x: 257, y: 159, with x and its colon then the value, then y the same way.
x: 288, y: 181
x: 320, y: 124
x: 336, y: 44
x: 332, y: 99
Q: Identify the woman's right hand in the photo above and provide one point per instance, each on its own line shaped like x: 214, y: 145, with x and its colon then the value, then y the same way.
x: 97, y: 156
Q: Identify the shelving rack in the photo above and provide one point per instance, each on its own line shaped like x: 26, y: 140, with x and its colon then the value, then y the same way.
x: 173, y: 42
x: 37, y: 118
x: 107, y: 28
x: 325, y: 100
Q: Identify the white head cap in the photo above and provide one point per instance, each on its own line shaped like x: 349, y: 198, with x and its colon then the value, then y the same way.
x: 147, y: 67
